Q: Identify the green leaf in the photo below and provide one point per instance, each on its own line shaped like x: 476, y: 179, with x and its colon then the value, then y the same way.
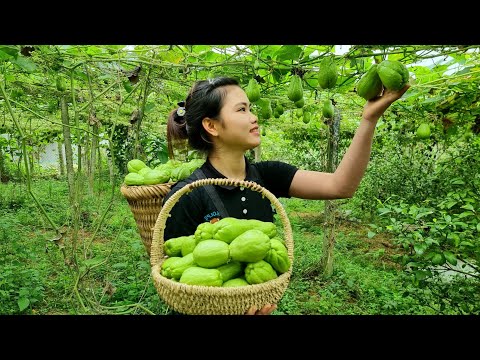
x: 423, y: 214
x: 421, y: 275
x: 10, y: 50
x: 468, y: 207
x: 438, y: 259
x: 93, y: 261
x: 25, y: 64
x: 288, y: 52
x: 465, y: 214
x: 94, y: 50
x: 120, y: 265
x: 384, y: 211
x: 420, y: 248
x: 149, y: 107
x: 454, y: 237
x: 127, y: 86
x: 371, y: 234
x: 4, y: 56
x: 450, y: 257
x: 478, y: 227
x: 434, y: 99
x: 23, y: 303
x: 413, y: 264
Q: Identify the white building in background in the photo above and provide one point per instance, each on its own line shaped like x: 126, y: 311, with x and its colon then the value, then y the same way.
x: 49, y: 153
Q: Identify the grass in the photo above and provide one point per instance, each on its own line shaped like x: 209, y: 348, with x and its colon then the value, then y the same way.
x: 113, y: 277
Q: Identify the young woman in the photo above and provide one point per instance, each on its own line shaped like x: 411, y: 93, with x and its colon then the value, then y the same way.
x: 216, y: 120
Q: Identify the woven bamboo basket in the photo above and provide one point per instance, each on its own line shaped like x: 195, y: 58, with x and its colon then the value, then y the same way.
x: 210, y: 300
x: 145, y: 202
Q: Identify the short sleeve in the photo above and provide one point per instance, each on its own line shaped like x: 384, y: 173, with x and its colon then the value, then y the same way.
x: 185, y: 216
x: 277, y: 176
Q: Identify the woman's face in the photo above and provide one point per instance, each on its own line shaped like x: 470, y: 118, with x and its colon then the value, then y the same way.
x: 239, y: 127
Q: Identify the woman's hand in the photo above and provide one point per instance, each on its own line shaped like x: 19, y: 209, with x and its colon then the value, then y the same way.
x: 266, y: 310
x: 374, y: 108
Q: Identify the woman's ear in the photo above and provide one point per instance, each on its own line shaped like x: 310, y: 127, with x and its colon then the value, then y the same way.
x: 210, y: 126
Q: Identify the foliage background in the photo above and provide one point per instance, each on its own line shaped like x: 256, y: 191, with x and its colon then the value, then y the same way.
x: 421, y: 197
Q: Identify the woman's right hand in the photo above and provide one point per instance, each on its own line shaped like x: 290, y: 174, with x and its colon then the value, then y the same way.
x: 266, y: 310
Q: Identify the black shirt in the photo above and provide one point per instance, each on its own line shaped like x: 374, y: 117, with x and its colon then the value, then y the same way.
x: 197, y: 207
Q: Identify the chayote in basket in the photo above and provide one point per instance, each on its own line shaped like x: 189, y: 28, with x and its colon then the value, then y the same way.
x: 173, y: 170
x: 247, y: 251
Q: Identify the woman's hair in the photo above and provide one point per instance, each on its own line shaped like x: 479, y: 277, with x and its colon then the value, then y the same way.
x: 205, y: 99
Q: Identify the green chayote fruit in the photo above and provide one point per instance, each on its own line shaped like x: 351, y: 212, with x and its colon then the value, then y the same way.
x: 178, y: 267
x: 253, y: 90
x: 165, y: 269
x: 229, y: 228
x: 235, y: 282
x: 328, y: 109
x: 267, y: 227
x: 370, y: 85
x: 200, y: 276
x: 204, y: 231
x: 211, y: 253
x: 153, y: 177
x: 327, y: 73
x: 250, y: 246
x: 135, y: 165
x: 277, y: 256
x: 394, y: 74
x: 259, y: 272
x: 295, y: 88
x: 173, y: 246
x: 230, y: 270
x: 188, y: 245
x: 133, y: 179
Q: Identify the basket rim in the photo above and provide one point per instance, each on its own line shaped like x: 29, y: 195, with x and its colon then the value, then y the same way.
x: 139, y: 192
x: 123, y: 185
x: 157, y: 255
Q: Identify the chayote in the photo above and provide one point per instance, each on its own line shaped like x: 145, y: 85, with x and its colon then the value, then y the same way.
x: 229, y: 228
x: 188, y: 245
x: 230, y: 270
x: 277, y: 256
x: 135, y: 165
x: 394, y: 74
x: 235, y: 282
x: 166, y: 267
x: 200, y: 276
x: 173, y: 246
x: 211, y: 253
x: 267, y: 227
x: 178, y: 267
x: 250, y: 246
x: 204, y: 231
x: 259, y: 272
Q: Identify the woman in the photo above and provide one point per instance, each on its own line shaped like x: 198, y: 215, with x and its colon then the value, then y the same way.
x: 216, y: 119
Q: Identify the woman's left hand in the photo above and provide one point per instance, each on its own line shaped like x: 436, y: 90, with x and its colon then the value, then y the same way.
x: 374, y: 108
x: 266, y: 310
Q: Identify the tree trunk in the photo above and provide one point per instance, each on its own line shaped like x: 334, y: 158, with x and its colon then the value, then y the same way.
x: 68, y: 150
x: 3, y: 175
x: 31, y: 163
x: 93, y: 155
x: 258, y: 153
x: 60, y: 158
x: 326, y: 262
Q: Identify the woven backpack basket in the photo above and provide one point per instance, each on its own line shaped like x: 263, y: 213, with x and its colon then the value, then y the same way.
x: 212, y: 300
x: 145, y: 202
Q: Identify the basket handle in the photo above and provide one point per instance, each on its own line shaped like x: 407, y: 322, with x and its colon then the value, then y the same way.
x: 157, y: 240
